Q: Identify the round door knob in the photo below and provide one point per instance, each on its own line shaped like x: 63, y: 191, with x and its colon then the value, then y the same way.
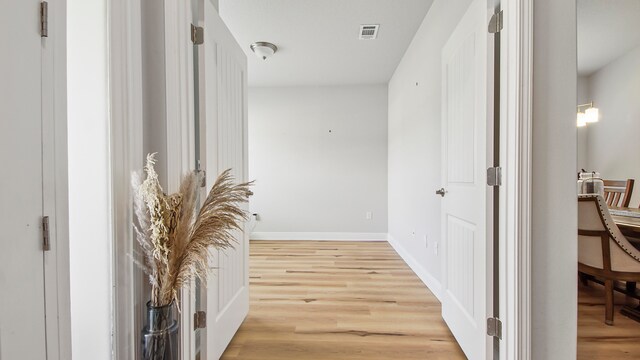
x: 441, y: 192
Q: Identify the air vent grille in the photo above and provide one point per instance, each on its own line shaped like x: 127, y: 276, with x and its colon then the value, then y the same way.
x: 368, y: 32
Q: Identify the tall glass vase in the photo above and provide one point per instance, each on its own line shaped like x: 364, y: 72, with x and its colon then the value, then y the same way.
x: 160, y: 337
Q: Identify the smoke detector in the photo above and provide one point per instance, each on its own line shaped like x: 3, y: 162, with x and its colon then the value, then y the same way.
x: 369, y: 32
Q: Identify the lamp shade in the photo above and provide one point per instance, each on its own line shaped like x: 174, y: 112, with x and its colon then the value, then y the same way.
x: 592, y: 115
x: 582, y: 119
x: 263, y: 49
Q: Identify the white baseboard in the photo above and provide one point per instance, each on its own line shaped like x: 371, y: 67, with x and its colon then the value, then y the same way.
x: 319, y: 236
x: 432, y: 283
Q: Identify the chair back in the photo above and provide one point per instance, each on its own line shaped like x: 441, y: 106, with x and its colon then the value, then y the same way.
x: 601, y: 245
x: 618, y: 192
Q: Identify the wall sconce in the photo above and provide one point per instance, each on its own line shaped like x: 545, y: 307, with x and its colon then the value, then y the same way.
x: 589, y: 115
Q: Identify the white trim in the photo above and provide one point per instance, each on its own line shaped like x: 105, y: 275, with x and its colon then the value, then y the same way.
x: 126, y: 154
x: 319, y: 236
x: 180, y: 129
x: 515, y: 256
x: 179, y: 91
x: 55, y: 192
x: 431, y: 282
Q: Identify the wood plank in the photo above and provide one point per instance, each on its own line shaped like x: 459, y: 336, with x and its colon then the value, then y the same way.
x: 338, y: 300
x: 596, y: 340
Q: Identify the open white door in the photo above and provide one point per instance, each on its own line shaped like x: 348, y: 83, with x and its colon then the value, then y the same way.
x: 22, y: 267
x: 223, y: 127
x: 464, y: 161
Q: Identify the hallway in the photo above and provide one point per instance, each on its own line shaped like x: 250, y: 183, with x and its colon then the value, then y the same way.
x: 338, y: 300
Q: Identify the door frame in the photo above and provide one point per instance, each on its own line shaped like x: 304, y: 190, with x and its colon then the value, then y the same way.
x: 515, y: 204
x: 180, y: 125
x: 127, y: 152
x: 516, y: 142
x: 56, y: 184
x: 126, y: 156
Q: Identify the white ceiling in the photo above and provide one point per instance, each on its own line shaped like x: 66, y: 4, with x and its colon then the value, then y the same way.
x: 607, y: 29
x: 318, y: 39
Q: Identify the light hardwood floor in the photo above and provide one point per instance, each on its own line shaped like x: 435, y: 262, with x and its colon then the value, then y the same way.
x: 359, y: 300
x: 599, y: 341
x: 338, y: 300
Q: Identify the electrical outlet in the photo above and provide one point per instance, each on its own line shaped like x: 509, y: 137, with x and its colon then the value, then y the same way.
x: 435, y: 248
x: 426, y: 241
x: 369, y: 215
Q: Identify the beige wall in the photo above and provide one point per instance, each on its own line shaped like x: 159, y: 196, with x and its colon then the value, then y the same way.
x: 612, y: 146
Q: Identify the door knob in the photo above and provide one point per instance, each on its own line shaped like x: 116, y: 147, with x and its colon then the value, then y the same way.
x: 441, y: 192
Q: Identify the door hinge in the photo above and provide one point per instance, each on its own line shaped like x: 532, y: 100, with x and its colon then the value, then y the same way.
x: 496, y: 23
x: 494, y: 327
x: 494, y: 176
x: 199, y: 320
x: 46, y: 244
x: 197, y: 34
x: 201, y: 175
x: 44, y: 19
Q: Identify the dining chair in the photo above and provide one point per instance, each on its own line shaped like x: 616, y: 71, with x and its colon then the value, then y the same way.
x: 603, y: 251
x: 618, y: 192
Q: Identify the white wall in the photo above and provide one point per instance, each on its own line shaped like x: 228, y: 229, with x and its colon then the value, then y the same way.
x: 612, y: 143
x: 414, y: 141
x: 89, y: 212
x: 319, y: 158
x: 554, y: 205
x: 583, y: 98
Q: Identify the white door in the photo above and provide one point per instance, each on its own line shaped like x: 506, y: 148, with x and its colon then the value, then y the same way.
x: 223, y: 126
x: 22, y: 301
x: 464, y: 163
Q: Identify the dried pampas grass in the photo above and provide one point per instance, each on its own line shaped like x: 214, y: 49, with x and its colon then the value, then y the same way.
x: 174, y: 237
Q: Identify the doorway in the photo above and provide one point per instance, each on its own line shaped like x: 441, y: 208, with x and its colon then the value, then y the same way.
x: 608, y: 165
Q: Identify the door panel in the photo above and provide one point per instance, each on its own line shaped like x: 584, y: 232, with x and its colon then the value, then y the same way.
x: 464, y: 141
x: 222, y: 70
x: 22, y: 317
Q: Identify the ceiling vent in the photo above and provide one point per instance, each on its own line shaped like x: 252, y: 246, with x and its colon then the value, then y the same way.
x: 368, y: 32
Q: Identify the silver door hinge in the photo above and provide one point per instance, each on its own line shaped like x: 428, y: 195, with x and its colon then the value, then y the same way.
x: 197, y: 34
x: 44, y: 19
x: 46, y: 244
x: 494, y: 176
x: 199, y: 320
x: 496, y: 23
x: 203, y: 177
x: 494, y: 327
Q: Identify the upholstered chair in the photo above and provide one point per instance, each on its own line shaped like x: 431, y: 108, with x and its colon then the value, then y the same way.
x: 603, y: 251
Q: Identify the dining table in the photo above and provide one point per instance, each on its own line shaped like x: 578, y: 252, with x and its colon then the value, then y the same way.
x: 628, y: 220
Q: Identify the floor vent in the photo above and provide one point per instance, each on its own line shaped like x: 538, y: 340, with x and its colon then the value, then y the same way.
x: 368, y: 32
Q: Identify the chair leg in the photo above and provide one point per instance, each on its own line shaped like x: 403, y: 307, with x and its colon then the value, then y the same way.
x: 584, y: 278
x: 608, y: 289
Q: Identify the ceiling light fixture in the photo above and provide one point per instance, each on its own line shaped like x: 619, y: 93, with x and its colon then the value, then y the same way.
x: 263, y: 49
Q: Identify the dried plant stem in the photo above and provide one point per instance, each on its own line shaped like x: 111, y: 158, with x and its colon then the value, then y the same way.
x: 175, y: 238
